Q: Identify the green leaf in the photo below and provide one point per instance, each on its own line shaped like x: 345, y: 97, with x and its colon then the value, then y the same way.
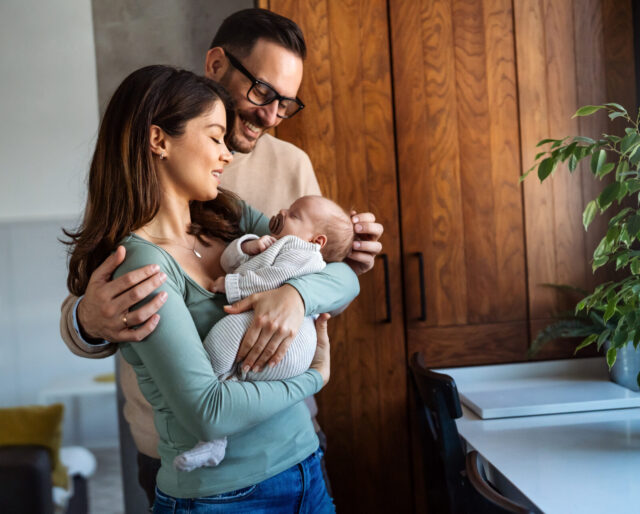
x: 558, y: 143
x: 538, y: 155
x: 622, y: 169
x: 589, y: 213
x: 611, y: 357
x: 633, y: 185
x: 611, y: 309
x: 545, y: 141
x: 602, y: 338
x: 628, y: 141
x: 616, y: 106
x: 599, y: 261
x: 587, y: 110
x: 607, y: 168
x: 633, y: 225
x: 586, y: 342
x: 622, y: 260
x: 635, y: 267
x: 614, y: 221
x: 546, y: 168
x: 634, y: 157
x: 614, y: 115
x: 568, y: 151
x: 582, y: 139
x: 598, y: 160
x: 609, y: 194
x: 573, y: 163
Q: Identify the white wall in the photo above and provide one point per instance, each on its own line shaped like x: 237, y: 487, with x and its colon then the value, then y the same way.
x: 49, y: 114
x: 48, y: 106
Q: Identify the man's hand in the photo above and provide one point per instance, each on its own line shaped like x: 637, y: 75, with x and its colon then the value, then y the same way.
x: 278, y: 315
x: 256, y: 246
x: 105, y: 305
x: 366, y: 245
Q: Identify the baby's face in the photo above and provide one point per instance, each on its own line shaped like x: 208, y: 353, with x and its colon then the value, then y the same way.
x: 302, y: 219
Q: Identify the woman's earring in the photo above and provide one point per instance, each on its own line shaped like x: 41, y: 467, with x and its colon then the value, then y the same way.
x: 162, y: 156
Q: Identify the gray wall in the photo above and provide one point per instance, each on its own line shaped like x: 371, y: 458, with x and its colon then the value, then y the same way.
x: 130, y: 34
x: 49, y: 112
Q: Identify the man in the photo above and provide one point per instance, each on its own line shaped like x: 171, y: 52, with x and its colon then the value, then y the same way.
x: 258, y: 56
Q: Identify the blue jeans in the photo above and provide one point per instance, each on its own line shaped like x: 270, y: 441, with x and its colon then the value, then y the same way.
x: 299, y: 489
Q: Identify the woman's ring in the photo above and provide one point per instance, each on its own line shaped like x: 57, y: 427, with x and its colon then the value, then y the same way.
x: 124, y: 320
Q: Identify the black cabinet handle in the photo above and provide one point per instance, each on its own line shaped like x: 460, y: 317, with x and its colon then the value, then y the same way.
x: 423, y: 296
x: 387, y: 288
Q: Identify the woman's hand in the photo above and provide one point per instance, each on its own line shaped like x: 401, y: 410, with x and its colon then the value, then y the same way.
x: 321, y: 360
x: 106, y: 302
x: 278, y: 315
x: 366, y: 245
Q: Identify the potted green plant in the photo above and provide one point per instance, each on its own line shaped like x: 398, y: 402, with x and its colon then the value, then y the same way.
x: 610, y: 314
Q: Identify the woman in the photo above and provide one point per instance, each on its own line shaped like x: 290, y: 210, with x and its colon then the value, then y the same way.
x: 153, y: 187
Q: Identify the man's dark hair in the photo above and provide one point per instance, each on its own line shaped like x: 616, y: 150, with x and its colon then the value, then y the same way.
x: 240, y: 31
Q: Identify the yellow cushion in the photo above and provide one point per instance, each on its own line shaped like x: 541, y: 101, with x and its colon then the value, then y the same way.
x: 40, y: 425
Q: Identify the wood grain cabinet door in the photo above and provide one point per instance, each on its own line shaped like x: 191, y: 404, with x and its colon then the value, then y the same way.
x: 456, y: 113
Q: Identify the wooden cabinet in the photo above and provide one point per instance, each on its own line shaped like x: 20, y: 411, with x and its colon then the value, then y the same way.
x: 426, y: 113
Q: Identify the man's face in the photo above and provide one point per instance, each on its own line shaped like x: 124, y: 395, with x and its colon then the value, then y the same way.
x: 274, y: 65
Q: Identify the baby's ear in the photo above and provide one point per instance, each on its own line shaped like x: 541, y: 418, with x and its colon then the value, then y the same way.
x: 320, y: 239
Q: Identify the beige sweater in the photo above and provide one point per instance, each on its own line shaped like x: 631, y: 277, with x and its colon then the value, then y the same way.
x: 275, y: 167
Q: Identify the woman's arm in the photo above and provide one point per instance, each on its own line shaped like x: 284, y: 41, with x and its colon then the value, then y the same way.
x: 177, y: 365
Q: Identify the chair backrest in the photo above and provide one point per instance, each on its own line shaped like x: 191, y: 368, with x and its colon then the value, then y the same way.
x: 492, y: 501
x: 438, y: 406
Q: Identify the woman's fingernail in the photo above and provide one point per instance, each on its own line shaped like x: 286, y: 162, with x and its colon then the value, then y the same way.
x: 272, y: 364
x: 358, y: 228
x: 245, y: 369
x: 163, y: 296
x: 356, y: 244
x: 155, y: 268
x: 256, y: 369
x: 163, y: 276
x: 355, y: 219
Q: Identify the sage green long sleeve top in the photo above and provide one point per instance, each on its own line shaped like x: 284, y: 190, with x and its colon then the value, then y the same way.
x: 267, y: 425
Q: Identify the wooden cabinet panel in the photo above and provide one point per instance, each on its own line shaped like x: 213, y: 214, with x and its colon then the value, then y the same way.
x: 455, y: 60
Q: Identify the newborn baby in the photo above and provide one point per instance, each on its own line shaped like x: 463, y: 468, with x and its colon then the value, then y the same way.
x: 313, y: 231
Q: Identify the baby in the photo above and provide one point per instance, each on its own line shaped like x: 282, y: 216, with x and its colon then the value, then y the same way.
x: 314, y: 230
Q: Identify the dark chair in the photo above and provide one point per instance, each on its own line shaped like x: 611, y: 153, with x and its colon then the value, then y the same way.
x: 498, y: 504
x: 438, y: 406
x: 25, y: 483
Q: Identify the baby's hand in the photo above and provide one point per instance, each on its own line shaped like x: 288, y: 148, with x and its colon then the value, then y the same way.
x: 218, y: 285
x: 256, y: 246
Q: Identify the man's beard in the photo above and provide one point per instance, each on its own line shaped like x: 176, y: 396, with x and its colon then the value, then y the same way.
x: 237, y: 140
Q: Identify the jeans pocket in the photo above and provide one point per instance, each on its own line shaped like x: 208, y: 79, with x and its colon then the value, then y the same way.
x: 230, y: 496
x: 163, y: 504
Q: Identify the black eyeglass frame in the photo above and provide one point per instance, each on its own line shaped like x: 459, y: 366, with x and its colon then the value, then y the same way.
x: 254, y: 82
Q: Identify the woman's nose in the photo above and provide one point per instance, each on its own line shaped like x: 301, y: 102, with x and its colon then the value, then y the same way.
x: 226, y: 156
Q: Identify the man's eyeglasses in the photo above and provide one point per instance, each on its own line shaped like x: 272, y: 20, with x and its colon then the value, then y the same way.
x: 261, y: 93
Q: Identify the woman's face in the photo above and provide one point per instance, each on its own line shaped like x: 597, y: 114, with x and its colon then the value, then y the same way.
x: 194, y: 161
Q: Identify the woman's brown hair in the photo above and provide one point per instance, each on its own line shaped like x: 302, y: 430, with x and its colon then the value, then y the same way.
x: 124, y: 192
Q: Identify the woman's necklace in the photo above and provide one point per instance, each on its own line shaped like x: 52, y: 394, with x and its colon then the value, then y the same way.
x: 193, y: 249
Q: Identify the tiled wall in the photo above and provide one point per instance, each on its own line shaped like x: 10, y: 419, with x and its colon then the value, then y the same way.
x: 32, y: 354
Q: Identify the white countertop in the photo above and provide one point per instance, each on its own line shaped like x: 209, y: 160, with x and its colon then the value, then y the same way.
x: 533, y: 388
x: 585, y: 462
